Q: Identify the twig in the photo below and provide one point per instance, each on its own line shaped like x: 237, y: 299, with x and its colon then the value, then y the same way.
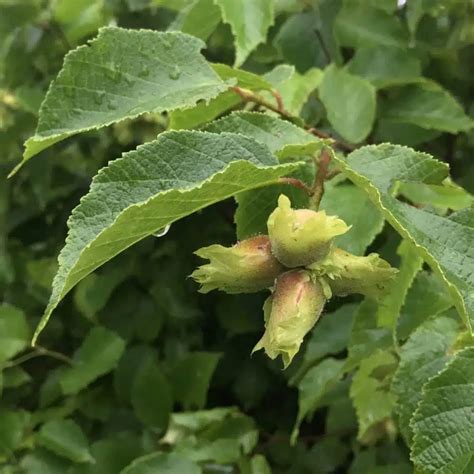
x: 38, y: 351
x: 297, y: 183
x: 321, y: 175
x: 249, y: 96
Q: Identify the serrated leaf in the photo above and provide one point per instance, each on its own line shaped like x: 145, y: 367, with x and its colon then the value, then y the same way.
x: 164, y: 463
x: 14, y: 331
x: 249, y: 21
x: 151, y: 396
x: 122, y: 74
x: 203, y: 112
x: 350, y: 103
x: 281, y: 137
x: 200, y: 18
x: 370, y: 393
x: 152, y: 187
x: 445, y: 243
x: 191, y: 377
x: 65, y: 438
x: 426, y: 297
x: 359, y: 25
x: 443, y: 424
x: 316, y: 382
x: 424, y: 355
x: 428, y: 105
x: 98, y: 354
x: 410, y: 264
x: 353, y: 206
x: 386, y: 66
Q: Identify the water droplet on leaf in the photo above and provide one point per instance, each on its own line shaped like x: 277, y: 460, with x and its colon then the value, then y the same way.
x: 161, y: 232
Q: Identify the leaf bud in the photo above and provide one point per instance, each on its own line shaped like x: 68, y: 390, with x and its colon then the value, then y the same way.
x: 247, y: 267
x: 301, y: 237
x: 290, y: 313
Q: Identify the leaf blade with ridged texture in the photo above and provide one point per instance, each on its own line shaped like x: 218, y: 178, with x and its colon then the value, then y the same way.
x: 445, y: 243
x: 152, y: 187
x: 249, y: 21
x: 443, y: 424
x: 421, y: 357
x: 122, y: 74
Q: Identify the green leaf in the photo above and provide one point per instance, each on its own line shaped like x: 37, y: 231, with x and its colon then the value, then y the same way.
x: 98, y: 354
x: 113, y: 454
x: 444, y: 243
x: 329, y: 336
x: 447, y: 196
x: 164, y: 463
x: 411, y: 263
x: 443, y: 424
x: 122, y: 74
x: 14, y: 331
x: 370, y: 393
x: 65, y: 438
x: 316, y: 382
x: 424, y: 355
x: 426, y: 297
x: 366, y: 336
x: 350, y: 103
x: 151, y: 396
x: 152, y: 187
x: 203, y: 112
x: 281, y: 137
x: 427, y: 105
x: 13, y: 426
x: 362, y: 25
x: 124, y: 375
x: 249, y: 21
x: 42, y: 461
x: 191, y: 377
x: 353, y: 206
x: 296, y: 90
x: 297, y: 41
x: 386, y: 66
x: 200, y: 18
x: 244, y: 79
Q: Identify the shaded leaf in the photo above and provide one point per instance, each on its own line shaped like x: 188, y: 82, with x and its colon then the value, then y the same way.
x: 65, y: 438
x: 350, y: 103
x: 428, y: 105
x: 191, y: 377
x: 353, y: 206
x: 164, y: 463
x: 98, y: 354
x: 14, y: 331
x: 151, y: 396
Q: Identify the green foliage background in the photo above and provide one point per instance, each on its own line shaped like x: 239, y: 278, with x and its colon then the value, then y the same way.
x: 137, y: 372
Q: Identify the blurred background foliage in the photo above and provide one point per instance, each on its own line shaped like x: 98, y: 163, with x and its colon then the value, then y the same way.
x: 135, y: 359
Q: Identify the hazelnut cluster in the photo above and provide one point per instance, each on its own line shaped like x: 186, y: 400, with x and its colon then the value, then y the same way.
x: 299, y: 263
